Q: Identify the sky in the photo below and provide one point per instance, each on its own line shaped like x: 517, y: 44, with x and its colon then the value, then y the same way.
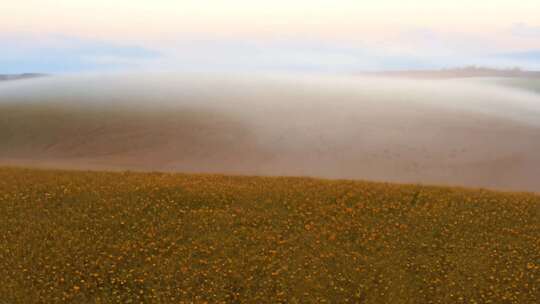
x: 69, y: 36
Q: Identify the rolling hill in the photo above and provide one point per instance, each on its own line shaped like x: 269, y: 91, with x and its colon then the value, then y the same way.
x: 468, y: 132
x: 466, y: 72
x: 6, y: 77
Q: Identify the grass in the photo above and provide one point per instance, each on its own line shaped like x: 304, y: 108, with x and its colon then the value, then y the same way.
x: 93, y: 237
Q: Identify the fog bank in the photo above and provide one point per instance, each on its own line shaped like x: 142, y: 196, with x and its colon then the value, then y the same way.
x: 470, y: 132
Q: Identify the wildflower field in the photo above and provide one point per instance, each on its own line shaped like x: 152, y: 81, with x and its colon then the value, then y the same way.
x: 93, y: 237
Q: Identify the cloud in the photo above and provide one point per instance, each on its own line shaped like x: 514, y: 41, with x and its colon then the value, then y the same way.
x: 416, y: 49
x: 525, y: 30
x: 528, y: 55
x: 57, y: 54
x: 289, y: 54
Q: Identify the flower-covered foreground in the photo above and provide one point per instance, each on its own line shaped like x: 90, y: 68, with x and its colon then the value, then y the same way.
x: 90, y: 237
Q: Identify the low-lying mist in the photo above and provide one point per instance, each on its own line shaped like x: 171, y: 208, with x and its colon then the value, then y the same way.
x: 471, y: 132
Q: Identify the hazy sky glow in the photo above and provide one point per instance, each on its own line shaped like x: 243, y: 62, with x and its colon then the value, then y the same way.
x: 383, y: 34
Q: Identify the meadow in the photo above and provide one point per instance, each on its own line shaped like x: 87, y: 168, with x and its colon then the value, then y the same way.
x: 124, y: 237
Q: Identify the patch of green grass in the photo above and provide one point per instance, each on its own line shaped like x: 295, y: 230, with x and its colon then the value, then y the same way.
x: 92, y: 237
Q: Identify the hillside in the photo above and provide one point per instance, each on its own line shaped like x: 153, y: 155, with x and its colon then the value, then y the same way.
x: 174, y: 238
x: 467, y: 72
x: 6, y: 77
x: 477, y: 133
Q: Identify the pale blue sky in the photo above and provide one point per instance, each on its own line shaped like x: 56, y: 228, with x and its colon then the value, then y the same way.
x: 318, y: 35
